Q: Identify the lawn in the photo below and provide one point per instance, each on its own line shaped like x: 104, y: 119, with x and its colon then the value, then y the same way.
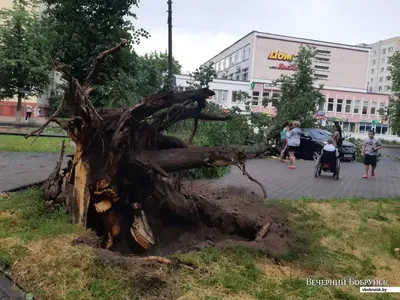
x: 352, y: 238
x: 14, y: 143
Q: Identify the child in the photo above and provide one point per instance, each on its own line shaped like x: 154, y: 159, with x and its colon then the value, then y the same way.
x: 370, y: 149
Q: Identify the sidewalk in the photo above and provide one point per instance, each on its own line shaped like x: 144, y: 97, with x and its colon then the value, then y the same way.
x: 10, y: 121
x: 8, y: 290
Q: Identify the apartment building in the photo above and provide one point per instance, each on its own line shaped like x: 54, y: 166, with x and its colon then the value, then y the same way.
x: 264, y: 57
x: 379, y: 80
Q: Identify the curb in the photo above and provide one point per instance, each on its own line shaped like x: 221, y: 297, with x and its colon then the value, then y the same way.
x: 24, y: 187
x: 15, y: 287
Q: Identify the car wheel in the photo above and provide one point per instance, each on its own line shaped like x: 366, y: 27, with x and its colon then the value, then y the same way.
x: 316, y: 154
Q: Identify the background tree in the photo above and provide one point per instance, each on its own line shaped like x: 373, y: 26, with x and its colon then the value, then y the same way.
x: 24, y: 62
x: 80, y: 30
x: 299, y: 98
x: 392, y: 113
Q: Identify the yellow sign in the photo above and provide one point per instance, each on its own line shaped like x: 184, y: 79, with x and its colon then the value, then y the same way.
x: 276, y: 55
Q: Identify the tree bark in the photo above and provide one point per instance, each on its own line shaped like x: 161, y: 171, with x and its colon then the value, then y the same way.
x: 19, y: 106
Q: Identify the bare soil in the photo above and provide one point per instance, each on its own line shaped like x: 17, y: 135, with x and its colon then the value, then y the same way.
x: 229, y: 218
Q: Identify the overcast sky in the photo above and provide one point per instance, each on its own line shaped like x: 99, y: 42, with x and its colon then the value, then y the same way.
x: 203, y: 28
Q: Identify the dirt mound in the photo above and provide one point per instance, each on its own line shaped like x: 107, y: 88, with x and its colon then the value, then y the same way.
x: 228, y: 218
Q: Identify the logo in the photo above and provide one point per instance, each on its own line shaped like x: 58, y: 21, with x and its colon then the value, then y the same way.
x: 276, y: 55
x: 284, y: 67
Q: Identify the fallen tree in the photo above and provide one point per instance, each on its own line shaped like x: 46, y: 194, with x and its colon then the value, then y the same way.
x: 119, y: 181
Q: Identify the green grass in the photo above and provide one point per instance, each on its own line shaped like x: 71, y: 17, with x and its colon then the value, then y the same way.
x: 13, y: 143
x: 340, y: 239
x: 35, y: 246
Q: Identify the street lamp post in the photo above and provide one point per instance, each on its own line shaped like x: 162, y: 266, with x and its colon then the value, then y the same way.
x: 170, y: 75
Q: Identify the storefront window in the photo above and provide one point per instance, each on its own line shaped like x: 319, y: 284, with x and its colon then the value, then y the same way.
x: 266, y: 98
x: 381, y: 108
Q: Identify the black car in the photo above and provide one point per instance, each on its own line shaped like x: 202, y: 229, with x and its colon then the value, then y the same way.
x: 314, y: 139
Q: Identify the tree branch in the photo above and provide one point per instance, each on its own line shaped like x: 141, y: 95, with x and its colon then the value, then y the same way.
x: 243, y: 169
x: 100, y: 60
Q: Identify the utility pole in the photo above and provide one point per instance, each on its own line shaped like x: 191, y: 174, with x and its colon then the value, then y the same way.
x: 170, y: 75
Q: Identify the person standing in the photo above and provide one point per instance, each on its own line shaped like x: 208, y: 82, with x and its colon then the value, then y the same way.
x: 370, y: 149
x: 293, y: 142
x: 28, y: 112
x: 283, y: 140
x: 337, y: 136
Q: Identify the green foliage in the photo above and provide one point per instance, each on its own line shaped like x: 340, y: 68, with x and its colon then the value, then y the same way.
x: 298, y: 98
x: 81, y: 31
x: 392, y: 113
x: 24, y: 59
x: 202, y: 77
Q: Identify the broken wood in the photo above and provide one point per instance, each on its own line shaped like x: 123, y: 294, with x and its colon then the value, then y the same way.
x: 263, y: 232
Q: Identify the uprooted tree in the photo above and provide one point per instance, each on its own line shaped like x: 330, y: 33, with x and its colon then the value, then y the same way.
x: 120, y: 180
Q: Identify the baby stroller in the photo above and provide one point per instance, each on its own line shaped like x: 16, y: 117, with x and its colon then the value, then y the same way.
x: 328, y: 162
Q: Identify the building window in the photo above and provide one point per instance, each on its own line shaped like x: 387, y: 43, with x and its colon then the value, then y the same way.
x: 348, y: 106
x: 321, y: 76
x: 230, y: 76
x: 245, y: 74
x: 372, y: 80
x: 339, y: 105
x: 383, y: 60
x: 265, y: 97
x: 381, y: 108
x: 365, y: 108
x: 323, y: 68
x: 255, y: 99
x: 380, y: 88
x: 390, y: 49
x: 246, y: 52
x: 237, y: 74
x: 374, y: 62
x: 234, y: 96
x: 380, y: 79
x: 384, y: 51
x: 239, y: 55
x: 275, y: 95
x: 356, y: 109
x: 382, y: 69
x: 222, y: 64
x: 323, y: 52
x: 374, y: 53
x: 231, y: 60
x: 322, y: 59
x: 388, y: 78
x: 387, y: 88
x: 221, y: 95
x: 370, y: 89
x: 330, y: 104
x: 373, y: 108
x: 372, y: 71
x: 227, y: 62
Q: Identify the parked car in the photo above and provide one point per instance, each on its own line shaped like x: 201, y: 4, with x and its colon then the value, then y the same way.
x: 314, y: 139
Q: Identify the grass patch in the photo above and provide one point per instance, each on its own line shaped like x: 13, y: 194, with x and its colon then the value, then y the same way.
x: 35, y: 246
x: 348, y: 238
x: 14, y: 143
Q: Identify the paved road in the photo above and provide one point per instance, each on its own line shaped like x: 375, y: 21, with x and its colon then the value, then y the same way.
x: 281, y: 182
x: 8, y: 291
x: 18, y: 169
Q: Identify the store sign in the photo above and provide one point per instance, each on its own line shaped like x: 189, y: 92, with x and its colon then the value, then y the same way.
x: 284, y: 67
x: 276, y: 55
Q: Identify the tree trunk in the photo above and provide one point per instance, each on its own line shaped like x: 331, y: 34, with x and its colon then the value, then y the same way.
x: 19, y: 106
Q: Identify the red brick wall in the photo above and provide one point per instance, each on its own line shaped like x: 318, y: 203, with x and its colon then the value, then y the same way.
x: 8, y: 108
